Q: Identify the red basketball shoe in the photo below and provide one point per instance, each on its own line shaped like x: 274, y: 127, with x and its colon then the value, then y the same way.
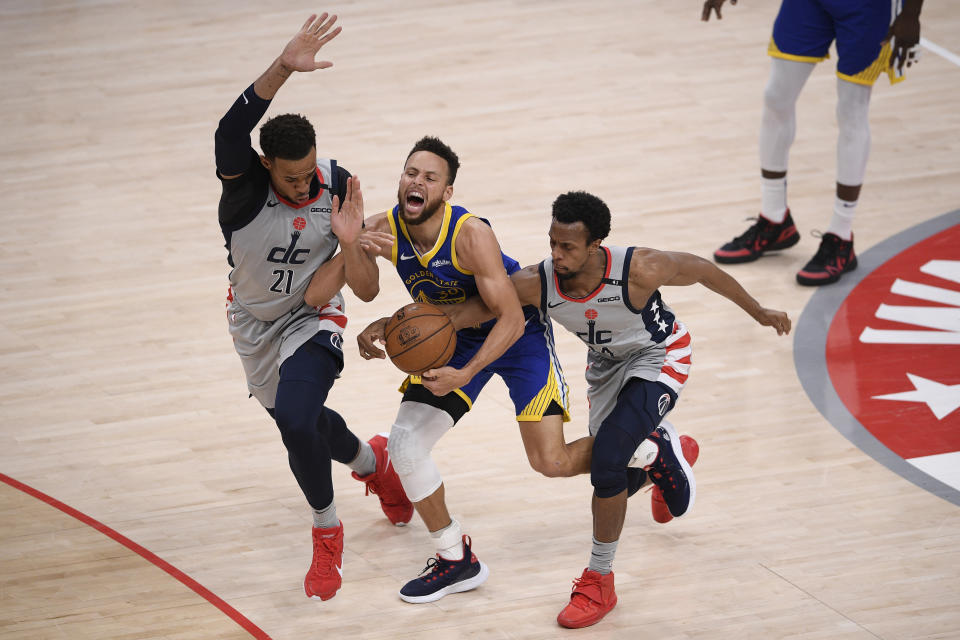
x: 691, y: 451
x: 385, y: 482
x: 325, y: 575
x: 592, y: 598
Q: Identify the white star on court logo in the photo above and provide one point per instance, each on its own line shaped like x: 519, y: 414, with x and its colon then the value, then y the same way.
x: 943, y: 399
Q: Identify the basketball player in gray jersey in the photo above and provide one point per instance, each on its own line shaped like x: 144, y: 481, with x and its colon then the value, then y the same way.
x: 637, y: 364
x: 283, y: 214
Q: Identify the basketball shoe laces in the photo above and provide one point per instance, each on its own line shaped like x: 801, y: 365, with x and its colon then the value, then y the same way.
x: 758, y: 235
x: 578, y: 598
x: 389, y: 498
x: 324, y: 555
x: 438, y: 567
x: 828, y: 252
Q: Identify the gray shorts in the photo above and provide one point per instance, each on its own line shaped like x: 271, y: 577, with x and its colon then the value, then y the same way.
x: 667, y: 363
x: 263, y: 346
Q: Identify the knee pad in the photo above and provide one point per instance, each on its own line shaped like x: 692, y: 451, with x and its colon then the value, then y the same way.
x: 416, y: 430
x: 612, y: 450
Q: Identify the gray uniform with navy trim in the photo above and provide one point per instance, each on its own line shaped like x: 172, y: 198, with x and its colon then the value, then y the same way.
x: 624, y: 341
x: 274, y: 257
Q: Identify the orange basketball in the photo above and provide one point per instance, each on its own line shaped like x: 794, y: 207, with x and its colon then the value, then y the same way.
x: 419, y: 337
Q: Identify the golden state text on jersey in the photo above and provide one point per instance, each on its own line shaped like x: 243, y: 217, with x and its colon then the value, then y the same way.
x: 436, y: 276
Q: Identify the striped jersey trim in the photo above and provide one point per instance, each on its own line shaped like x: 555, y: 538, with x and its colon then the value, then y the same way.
x: 677, y: 360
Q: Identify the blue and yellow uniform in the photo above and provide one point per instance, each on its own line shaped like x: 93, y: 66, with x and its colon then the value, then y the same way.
x: 529, y: 368
x: 804, y: 30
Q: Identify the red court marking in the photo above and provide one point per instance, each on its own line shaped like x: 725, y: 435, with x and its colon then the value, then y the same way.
x: 859, y: 371
x: 147, y: 555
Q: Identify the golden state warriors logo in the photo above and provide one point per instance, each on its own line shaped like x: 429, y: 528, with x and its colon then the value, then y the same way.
x: 424, y: 286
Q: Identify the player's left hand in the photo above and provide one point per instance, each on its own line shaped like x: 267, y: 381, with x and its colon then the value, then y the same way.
x: 905, y: 33
x: 346, y: 219
x: 776, y: 319
x: 442, y: 381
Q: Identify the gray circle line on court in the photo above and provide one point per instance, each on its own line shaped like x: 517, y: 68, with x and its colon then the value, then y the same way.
x: 810, y: 346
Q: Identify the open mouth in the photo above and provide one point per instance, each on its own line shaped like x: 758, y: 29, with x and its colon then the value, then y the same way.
x: 415, y: 201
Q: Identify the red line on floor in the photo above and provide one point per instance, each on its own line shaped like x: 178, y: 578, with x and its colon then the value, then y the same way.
x: 147, y: 555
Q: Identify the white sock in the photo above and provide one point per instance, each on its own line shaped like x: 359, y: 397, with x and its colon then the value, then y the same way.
x: 773, y: 198
x: 841, y: 223
x: 449, y: 541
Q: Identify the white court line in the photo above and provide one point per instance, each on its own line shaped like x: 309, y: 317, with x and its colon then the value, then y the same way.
x: 940, y: 51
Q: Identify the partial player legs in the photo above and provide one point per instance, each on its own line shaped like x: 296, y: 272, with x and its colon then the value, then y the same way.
x: 547, y: 451
x: 835, y: 256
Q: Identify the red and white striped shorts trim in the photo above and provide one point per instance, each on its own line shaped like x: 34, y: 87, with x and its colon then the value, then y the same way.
x: 676, y: 362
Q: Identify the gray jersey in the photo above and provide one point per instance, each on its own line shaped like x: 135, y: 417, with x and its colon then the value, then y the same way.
x: 275, y: 254
x: 274, y: 257
x: 625, y: 341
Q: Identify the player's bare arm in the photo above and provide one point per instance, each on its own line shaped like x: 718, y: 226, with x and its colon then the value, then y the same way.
x: 474, y: 311
x: 711, y: 6
x: 478, y: 251
x: 651, y: 269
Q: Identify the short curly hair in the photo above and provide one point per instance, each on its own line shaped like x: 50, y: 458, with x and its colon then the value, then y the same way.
x: 438, y: 147
x: 289, y: 136
x: 580, y: 206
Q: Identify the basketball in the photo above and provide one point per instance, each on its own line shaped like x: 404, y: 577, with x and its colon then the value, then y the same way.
x: 419, y: 337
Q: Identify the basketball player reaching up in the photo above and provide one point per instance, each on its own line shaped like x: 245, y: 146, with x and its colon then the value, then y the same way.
x: 868, y: 44
x: 638, y: 360
x: 275, y: 213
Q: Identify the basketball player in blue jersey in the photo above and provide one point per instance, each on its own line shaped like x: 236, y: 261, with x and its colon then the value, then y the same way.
x: 278, y: 212
x: 871, y: 38
x: 638, y: 361
x: 445, y: 255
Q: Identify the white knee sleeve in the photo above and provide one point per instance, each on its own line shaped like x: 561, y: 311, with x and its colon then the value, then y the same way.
x: 778, y: 126
x: 853, y: 142
x: 417, y: 428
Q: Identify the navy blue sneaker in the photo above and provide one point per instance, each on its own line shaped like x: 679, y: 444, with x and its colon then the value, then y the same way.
x: 446, y: 577
x: 636, y: 478
x: 671, y: 472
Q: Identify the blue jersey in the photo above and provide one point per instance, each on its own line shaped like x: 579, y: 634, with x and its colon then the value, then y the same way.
x: 529, y: 368
x: 436, y: 277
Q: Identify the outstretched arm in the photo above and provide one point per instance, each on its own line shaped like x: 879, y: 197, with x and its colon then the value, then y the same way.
x: 474, y: 311
x: 651, y: 269
x: 232, y: 139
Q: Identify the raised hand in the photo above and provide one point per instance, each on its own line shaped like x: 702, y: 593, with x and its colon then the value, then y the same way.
x: 301, y: 52
x: 346, y: 219
x: 713, y: 5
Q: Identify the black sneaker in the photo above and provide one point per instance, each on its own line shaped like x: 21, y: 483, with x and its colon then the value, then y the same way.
x: 671, y: 472
x: 763, y: 236
x: 446, y: 577
x: 833, y: 259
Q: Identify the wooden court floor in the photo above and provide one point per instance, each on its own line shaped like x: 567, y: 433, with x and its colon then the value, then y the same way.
x: 121, y: 396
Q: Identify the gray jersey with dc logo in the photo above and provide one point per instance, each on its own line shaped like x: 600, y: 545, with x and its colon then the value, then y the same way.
x: 275, y: 255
